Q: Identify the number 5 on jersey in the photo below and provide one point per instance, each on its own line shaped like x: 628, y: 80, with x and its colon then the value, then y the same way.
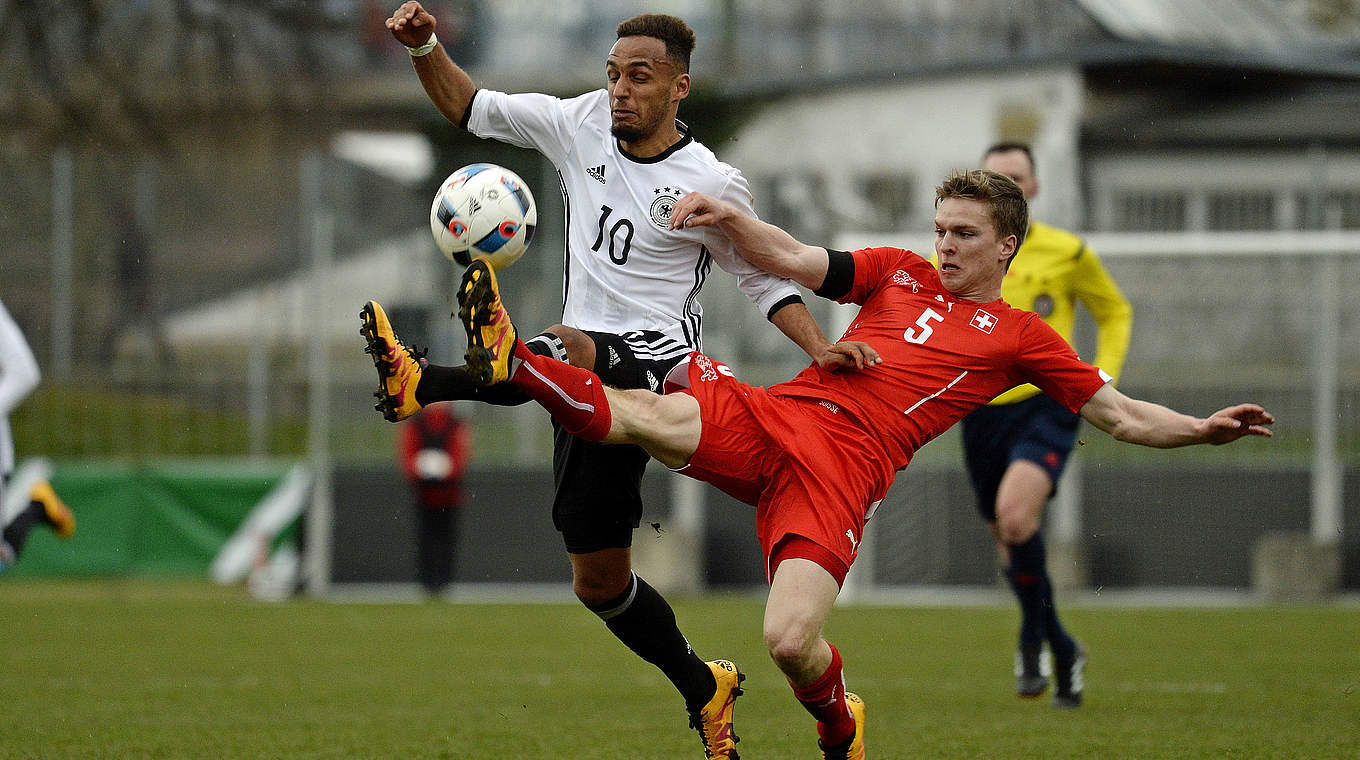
x: 912, y: 335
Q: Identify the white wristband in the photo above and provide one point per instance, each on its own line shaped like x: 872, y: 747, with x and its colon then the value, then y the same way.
x: 417, y: 52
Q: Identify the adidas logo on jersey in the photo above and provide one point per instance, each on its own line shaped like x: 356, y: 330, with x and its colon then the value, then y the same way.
x: 597, y: 172
x: 613, y: 357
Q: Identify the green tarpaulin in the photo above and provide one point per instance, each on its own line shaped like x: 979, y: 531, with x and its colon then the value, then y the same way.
x: 147, y: 519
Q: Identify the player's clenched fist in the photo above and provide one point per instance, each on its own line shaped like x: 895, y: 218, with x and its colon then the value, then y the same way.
x: 411, y: 24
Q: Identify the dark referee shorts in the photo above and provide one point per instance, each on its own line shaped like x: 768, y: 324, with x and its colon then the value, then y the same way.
x: 1038, y: 430
x: 598, y: 501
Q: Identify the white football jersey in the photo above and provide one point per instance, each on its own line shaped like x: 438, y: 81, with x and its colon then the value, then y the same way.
x: 18, y: 377
x: 624, y: 270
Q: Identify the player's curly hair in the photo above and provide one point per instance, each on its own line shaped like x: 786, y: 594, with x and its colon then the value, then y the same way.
x: 1004, y: 199
x: 677, y: 35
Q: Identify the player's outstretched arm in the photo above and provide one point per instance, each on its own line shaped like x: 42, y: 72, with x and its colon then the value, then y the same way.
x: 764, y: 245
x: 449, y: 87
x: 799, y: 326
x: 1148, y: 424
x: 19, y: 373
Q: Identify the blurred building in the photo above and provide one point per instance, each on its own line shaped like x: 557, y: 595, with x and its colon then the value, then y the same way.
x: 1146, y: 115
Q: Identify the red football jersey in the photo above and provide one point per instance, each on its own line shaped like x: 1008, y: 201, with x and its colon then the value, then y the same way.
x: 942, y: 356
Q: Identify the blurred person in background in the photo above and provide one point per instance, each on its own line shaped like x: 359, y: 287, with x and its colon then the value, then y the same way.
x: 136, y: 311
x: 816, y: 455
x: 19, y: 375
x: 630, y: 310
x: 433, y: 448
x: 1016, y: 446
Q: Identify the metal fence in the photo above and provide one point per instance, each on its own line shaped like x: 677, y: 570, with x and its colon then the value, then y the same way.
x: 203, y: 302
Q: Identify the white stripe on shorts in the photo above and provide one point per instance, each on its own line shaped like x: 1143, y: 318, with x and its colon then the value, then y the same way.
x: 659, y: 348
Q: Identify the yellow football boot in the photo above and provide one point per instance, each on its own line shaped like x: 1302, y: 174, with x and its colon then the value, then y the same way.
x: 490, y: 333
x: 398, y: 366
x: 714, y: 720
x: 58, y: 515
x: 854, y: 748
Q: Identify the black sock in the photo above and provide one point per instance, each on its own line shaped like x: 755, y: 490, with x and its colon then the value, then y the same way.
x: 643, y: 621
x: 16, y: 533
x: 440, y: 383
x: 1029, y: 580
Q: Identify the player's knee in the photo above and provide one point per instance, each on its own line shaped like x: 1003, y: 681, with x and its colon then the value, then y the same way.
x: 1015, y: 525
x: 599, y: 584
x: 591, y: 595
x: 580, y: 347
x: 789, y: 647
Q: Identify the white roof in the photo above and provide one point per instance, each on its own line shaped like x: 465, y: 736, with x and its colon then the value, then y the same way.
x: 1248, y: 25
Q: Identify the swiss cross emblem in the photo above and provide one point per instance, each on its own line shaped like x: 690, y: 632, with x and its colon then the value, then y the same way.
x: 984, y: 321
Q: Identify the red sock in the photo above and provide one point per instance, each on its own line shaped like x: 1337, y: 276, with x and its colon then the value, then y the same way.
x: 573, y: 396
x: 825, y: 699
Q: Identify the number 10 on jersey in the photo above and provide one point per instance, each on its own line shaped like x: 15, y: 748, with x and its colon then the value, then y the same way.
x: 620, y: 236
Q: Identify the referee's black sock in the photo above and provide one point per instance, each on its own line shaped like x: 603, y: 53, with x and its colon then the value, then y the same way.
x: 642, y: 620
x: 1028, y: 577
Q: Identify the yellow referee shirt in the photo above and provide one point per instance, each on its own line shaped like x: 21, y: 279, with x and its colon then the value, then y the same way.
x: 1053, y: 270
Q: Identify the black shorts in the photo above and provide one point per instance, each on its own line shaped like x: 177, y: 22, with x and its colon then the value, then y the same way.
x: 1038, y: 430
x: 598, y: 500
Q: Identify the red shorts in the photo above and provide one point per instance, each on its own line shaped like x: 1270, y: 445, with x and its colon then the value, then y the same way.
x: 810, y: 469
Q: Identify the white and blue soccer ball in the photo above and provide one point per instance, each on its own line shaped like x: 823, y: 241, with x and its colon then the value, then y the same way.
x: 483, y: 210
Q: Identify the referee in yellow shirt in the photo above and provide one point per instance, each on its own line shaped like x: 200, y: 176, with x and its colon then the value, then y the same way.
x: 1016, y: 446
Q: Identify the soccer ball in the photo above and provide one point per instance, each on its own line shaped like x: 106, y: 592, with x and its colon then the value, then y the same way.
x: 483, y: 210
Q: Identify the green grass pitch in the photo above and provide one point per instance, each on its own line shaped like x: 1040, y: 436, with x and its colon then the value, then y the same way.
x: 155, y: 669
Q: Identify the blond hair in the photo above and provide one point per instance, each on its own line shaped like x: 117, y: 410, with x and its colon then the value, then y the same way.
x: 1005, y: 200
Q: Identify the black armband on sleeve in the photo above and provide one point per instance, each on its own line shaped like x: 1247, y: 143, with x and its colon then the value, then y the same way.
x: 781, y: 303
x: 467, y: 112
x: 840, y: 275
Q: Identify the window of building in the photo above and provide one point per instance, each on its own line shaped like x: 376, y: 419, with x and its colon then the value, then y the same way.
x: 1149, y: 211
x: 891, y: 197
x: 1340, y: 210
x: 1249, y: 210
